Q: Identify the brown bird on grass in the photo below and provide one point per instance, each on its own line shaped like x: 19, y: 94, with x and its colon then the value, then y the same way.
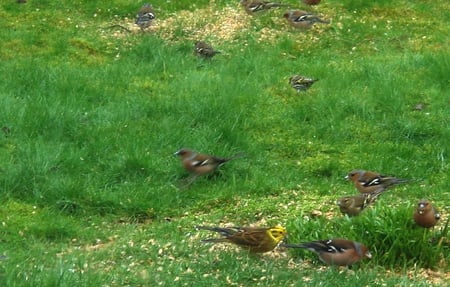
x: 204, y: 50
x: 200, y: 164
x: 369, y: 181
x: 302, y: 20
x: 255, y: 6
x: 355, y: 204
x: 425, y: 214
x: 337, y: 251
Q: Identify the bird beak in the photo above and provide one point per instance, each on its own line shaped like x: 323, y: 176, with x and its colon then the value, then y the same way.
x: 177, y: 153
x: 346, y: 177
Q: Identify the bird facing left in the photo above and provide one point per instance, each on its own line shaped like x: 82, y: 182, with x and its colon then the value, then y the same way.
x: 201, y: 164
x: 204, y: 50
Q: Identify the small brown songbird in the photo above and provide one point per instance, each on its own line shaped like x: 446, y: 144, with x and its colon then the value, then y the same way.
x: 369, y: 181
x: 302, y: 20
x: 255, y: 6
x: 337, y: 251
x: 204, y: 50
x: 425, y: 214
x: 353, y: 205
x: 200, y: 164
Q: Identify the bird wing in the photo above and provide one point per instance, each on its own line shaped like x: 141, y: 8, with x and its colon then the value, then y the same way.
x: 250, y: 237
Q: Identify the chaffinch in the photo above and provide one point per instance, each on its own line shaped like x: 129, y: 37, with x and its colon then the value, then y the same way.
x: 145, y: 16
x: 258, y: 6
x: 337, y: 251
x: 204, y: 50
x: 200, y: 164
x: 311, y: 2
x: 301, y: 83
x: 302, y: 19
x: 254, y: 239
x: 425, y: 214
x: 369, y: 181
x: 355, y: 204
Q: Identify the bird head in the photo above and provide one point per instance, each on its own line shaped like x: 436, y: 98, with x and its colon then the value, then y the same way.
x: 422, y: 206
x: 344, y: 202
x: 353, y: 173
x: 277, y: 233
x: 183, y: 152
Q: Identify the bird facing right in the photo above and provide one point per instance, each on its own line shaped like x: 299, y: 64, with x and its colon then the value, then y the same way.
x: 337, y: 251
x: 301, y: 83
x: 355, y: 204
x: 253, y: 239
x: 302, y: 20
x: 145, y: 16
x: 426, y: 214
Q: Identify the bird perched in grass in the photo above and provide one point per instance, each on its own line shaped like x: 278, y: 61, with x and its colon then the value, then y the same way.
x: 200, y: 164
x: 204, y: 50
x: 253, y: 239
x: 145, y: 16
x: 355, y: 204
x: 369, y: 181
x: 302, y: 19
x: 255, y: 6
x: 311, y: 2
x: 425, y: 214
x: 340, y: 252
x: 301, y: 83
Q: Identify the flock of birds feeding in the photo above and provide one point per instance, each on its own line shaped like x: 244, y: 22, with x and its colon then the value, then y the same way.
x: 336, y: 251
x: 297, y: 18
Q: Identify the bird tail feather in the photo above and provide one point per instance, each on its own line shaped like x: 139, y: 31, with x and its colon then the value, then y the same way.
x: 274, y: 4
x: 290, y: 245
x: 223, y: 231
x: 214, y: 240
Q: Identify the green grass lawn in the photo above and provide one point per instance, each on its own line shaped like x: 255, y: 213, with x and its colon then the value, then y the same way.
x: 92, y: 112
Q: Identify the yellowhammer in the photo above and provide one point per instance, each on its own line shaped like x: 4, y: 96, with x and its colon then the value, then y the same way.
x: 254, y: 239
